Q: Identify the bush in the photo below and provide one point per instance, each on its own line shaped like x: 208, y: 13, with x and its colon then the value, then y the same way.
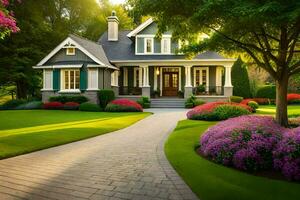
x: 201, y: 88
x: 31, y: 105
x: 199, y: 102
x: 123, y: 105
x: 253, y: 105
x: 69, y: 98
x: 12, y: 104
x: 236, y: 99
x: 144, y: 102
x: 244, y: 142
x: 54, y: 105
x: 90, y: 107
x: 293, y: 98
x: 71, y: 106
x: 192, y: 101
x: 287, y: 155
x: 240, y: 79
x: 260, y: 101
x: 267, y: 91
x: 105, y: 96
x: 188, y: 105
x: 294, y: 121
x: 218, y: 111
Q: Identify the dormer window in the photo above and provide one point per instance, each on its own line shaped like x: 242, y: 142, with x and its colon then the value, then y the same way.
x: 70, y: 51
x: 166, y: 45
x: 148, y: 45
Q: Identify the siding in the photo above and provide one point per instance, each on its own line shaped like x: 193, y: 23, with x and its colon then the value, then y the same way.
x: 104, y: 77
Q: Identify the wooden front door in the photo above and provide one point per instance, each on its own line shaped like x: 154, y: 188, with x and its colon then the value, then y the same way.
x: 170, y: 83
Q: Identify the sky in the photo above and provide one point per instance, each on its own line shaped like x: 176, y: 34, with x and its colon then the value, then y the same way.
x: 117, y: 1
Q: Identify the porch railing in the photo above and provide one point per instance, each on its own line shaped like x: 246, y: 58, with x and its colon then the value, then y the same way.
x: 209, y: 90
x: 126, y: 90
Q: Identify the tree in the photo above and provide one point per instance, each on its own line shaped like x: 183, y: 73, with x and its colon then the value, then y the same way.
x: 267, y: 31
x: 7, y: 21
x: 240, y: 79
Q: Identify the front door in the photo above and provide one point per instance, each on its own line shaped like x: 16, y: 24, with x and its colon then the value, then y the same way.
x: 170, y: 83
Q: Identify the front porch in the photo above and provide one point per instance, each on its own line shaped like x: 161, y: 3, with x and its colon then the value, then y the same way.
x: 205, y: 80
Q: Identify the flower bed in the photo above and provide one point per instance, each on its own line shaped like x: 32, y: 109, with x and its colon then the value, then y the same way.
x: 55, y: 105
x: 293, y: 98
x: 260, y: 101
x: 218, y: 111
x: 71, y: 106
x: 123, y: 105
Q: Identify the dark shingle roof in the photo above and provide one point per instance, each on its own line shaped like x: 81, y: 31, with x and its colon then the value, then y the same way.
x: 92, y: 47
x: 124, y: 49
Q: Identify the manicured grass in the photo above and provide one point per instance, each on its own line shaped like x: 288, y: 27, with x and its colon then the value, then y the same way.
x: 271, y: 110
x: 30, y: 130
x: 212, y: 181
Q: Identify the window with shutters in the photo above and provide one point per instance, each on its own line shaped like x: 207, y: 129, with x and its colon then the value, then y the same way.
x: 70, y: 79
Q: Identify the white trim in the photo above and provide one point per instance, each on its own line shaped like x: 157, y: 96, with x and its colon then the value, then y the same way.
x: 67, y: 66
x: 175, y: 61
x: 161, y: 76
x: 46, y: 81
x: 136, y: 71
x: 155, y: 79
x: 168, y: 39
x: 91, y: 72
x: 140, y: 27
x: 201, y: 78
x: 140, y: 77
x: 70, y: 54
x: 125, y: 76
x: 69, y: 40
x: 101, y: 66
x: 62, y: 80
x: 42, y: 67
x: 145, y: 45
x: 70, y: 91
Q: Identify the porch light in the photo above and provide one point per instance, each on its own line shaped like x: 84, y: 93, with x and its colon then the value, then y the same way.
x: 157, y: 71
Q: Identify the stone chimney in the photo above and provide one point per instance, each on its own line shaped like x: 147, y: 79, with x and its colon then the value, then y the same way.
x: 113, y: 27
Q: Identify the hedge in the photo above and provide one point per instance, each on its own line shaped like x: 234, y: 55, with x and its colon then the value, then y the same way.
x: 105, y: 96
x: 69, y: 98
x: 267, y: 91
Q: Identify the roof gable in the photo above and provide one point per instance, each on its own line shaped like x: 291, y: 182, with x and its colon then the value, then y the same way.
x: 140, y: 28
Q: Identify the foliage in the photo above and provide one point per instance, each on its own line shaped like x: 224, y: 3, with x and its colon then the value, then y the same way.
x: 180, y: 94
x: 30, y: 105
x: 260, y: 101
x: 123, y: 105
x: 12, y: 104
x: 236, y: 99
x: 267, y: 91
x: 294, y: 83
x: 71, y: 106
x: 192, y: 101
x: 293, y: 98
x: 105, y: 96
x: 201, y: 88
x: 7, y: 21
x: 69, y: 98
x: 144, y: 102
x: 216, y: 111
x: 55, y: 105
x: 189, y: 105
x: 287, y: 154
x: 245, y: 142
x: 253, y: 86
x: 198, y: 102
x: 91, y: 107
x: 254, y: 105
x: 294, y: 121
x: 240, y: 79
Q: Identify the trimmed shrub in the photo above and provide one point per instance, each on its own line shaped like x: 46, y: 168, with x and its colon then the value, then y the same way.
x: 90, y: 107
x: 71, y: 106
x: 236, y: 99
x: 218, y: 111
x: 199, y: 102
x: 244, y: 142
x: 54, y: 105
x: 69, y: 98
x: 192, y: 101
x: 123, y: 105
x: 144, y: 102
x: 267, y: 91
x: 105, y: 96
x: 31, y: 105
x: 188, y: 105
x: 12, y: 104
x: 260, y: 101
x: 240, y: 79
x: 287, y: 155
x: 253, y: 105
x: 293, y: 98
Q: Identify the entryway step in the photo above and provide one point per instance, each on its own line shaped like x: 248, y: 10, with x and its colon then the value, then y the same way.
x: 167, y: 103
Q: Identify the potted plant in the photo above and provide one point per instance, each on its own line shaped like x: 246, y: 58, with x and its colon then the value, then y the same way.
x: 201, y: 89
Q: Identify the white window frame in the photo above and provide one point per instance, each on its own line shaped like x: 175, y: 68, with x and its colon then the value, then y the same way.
x: 200, y: 74
x: 62, y: 81
x: 152, y: 45
x: 91, y: 83
x: 68, y: 53
x: 168, y: 40
x: 46, y: 80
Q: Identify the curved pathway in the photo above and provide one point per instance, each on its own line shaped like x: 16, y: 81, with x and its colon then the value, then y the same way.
x: 125, y: 164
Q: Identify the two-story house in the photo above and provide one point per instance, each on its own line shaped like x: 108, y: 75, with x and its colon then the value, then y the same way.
x: 133, y: 63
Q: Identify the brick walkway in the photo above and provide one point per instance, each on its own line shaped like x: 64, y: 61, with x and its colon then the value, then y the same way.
x: 126, y: 164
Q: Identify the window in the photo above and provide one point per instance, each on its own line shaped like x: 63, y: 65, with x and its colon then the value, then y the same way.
x: 93, y: 78
x: 148, y: 45
x: 166, y: 45
x: 71, y: 79
x: 70, y: 51
x: 48, y: 79
x: 201, y: 76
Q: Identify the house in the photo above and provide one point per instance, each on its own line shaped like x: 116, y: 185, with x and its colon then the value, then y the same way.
x: 133, y: 63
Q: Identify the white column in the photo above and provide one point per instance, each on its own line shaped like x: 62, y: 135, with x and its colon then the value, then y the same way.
x: 145, y: 76
x: 188, y: 76
x: 155, y: 78
x: 140, y: 76
x: 116, y: 78
x: 228, y: 76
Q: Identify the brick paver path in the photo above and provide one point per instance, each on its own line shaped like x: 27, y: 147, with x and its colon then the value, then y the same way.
x: 125, y: 164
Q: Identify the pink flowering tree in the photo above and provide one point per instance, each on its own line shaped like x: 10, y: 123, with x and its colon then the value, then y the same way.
x: 7, y: 21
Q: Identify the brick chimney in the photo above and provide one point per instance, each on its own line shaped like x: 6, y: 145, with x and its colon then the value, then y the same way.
x: 113, y: 27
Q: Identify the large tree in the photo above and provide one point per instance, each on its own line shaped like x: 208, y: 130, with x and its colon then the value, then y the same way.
x: 7, y: 21
x: 266, y: 30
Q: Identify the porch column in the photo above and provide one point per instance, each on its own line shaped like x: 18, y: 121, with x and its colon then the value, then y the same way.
x: 115, y: 82
x: 155, y: 78
x: 146, y: 86
x: 140, y: 77
x: 219, y: 80
x: 228, y: 88
x: 188, y: 88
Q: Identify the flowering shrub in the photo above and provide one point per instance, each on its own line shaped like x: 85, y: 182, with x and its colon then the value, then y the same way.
x: 218, y: 111
x: 287, y: 155
x: 294, y: 122
x: 244, y: 142
x: 123, y: 105
x: 293, y: 98
x: 71, y: 106
x: 7, y: 21
x: 253, y: 105
x: 53, y: 106
x: 260, y: 101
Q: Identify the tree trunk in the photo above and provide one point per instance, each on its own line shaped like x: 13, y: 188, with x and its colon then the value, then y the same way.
x: 21, y: 89
x: 281, y: 100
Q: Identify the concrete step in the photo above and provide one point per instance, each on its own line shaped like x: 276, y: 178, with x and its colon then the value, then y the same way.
x: 167, y: 103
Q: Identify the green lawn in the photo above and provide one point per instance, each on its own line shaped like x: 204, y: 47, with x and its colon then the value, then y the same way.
x: 30, y: 130
x: 212, y: 181
x: 271, y: 109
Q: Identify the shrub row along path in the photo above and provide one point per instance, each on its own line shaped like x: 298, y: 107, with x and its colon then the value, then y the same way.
x: 125, y: 164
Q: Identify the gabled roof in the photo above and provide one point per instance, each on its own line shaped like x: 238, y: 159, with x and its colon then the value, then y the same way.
x: 90, y: 48
x: 140, y: 28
